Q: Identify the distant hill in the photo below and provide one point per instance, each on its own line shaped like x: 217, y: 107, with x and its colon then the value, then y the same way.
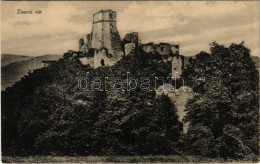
x: 11, y: 58
x: 15, y: 66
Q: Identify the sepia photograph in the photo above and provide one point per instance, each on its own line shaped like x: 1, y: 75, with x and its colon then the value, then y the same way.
x: 130, y: 81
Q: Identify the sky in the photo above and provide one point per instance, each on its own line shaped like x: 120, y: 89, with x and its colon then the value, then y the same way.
x: 193, y: 24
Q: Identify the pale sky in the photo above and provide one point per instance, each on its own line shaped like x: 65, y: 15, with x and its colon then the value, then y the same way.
x: 193, y: 24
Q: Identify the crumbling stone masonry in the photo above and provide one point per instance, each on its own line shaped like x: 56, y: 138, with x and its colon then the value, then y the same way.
x: 104, y: 40
x: 103, y: 58
x: 169, y: 53
x: 104, y: 34
x: 131, y: 42
x: 129, y: 47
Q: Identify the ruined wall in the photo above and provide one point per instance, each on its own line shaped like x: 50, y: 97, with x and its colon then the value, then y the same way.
x: 175, y: 49
x: 130, y: 42
x: 148, y: 48
x: 102, y: 54
x: 84, y: 44
x: 177, y: 66
x: 131, y: 38
x: 167, y: 58
x: 81, y: 43
x: 179, y: 97
x: 87, y: 61
x: 163, y: 49
x: 84, y: 48
x: 87, y: 41
x: 129, y: 47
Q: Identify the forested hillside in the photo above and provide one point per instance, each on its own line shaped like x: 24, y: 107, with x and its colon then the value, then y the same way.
x: 46, y: 113
x: 49, y: 114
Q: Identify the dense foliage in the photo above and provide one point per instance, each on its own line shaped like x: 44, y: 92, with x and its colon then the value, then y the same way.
x: 224, y: 114
x: 46, y: 113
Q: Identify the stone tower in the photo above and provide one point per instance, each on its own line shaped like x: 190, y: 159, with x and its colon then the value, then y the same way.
x: 105, y: 33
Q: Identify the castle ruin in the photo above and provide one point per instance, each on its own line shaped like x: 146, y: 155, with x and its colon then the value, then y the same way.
x: 104, y: 38
x: 104, y: 47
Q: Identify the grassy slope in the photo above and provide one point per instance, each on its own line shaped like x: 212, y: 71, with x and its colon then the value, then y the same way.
x: 14, y: 71
x: 117, y: 159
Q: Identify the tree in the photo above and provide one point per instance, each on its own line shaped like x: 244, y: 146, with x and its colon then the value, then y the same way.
x: 200, y: 141
x: 164, y: 129
x: 227, y: 98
